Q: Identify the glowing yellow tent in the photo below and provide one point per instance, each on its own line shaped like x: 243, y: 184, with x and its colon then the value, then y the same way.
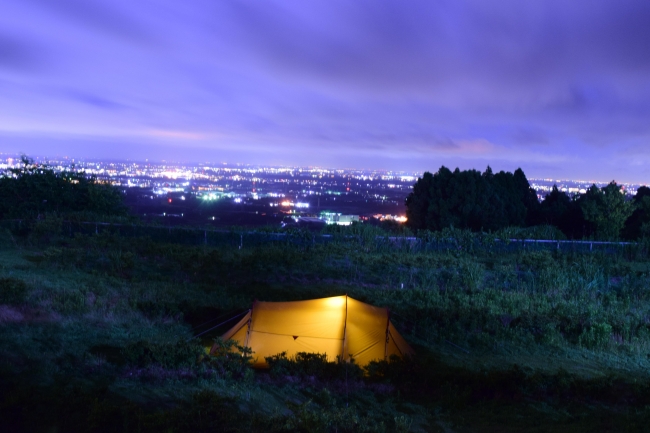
x: 337, y: 326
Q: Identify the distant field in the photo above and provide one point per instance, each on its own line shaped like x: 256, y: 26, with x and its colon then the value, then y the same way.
x: 96, y: 334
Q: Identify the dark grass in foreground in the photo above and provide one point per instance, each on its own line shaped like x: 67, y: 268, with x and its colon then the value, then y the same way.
x: 94, y: 337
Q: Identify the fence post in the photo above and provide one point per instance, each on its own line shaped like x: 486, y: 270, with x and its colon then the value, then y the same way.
x: 205, y: 237
x: 241, y: 241
x: 591, y: 246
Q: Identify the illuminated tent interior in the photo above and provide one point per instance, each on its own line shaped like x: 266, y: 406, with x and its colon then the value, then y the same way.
x: 337, y: 326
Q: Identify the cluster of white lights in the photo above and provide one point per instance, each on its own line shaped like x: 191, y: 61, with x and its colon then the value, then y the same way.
x: 165, y: 190
x: 288, y: 203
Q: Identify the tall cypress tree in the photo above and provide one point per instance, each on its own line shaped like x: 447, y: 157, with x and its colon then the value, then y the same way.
x: 638, y: 224
x: 469, y: 199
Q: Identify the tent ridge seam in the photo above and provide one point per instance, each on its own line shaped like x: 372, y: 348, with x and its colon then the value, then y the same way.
x: 291, y: 335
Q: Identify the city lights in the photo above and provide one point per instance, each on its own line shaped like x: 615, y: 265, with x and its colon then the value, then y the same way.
x: 378, y: 195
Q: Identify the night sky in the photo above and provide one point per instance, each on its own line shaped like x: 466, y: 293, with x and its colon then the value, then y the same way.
x: 558, y: 88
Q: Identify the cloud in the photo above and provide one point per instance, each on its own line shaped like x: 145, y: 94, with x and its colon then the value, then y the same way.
x: 103, y: 16
x: 183, y: 135
x: 530, y: 136
x: 422, y: 46
x: 537, y: 82
x: 95, y: 101
x: 19, y: 55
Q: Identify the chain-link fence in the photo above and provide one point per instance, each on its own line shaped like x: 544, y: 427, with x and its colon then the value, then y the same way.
x: 245, y: 238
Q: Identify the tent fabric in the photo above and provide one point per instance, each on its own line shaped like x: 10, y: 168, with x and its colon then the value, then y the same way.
x: 238, y: 332
x: 340, y: 327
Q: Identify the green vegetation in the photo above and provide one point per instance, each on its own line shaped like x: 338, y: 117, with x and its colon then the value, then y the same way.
x: 491, y: 202
x: 638, y: 224
x: 606, y: 209
x: 104, y: 327
x: 470, y: 200
x: 36, y: 190
x: 96, y: 334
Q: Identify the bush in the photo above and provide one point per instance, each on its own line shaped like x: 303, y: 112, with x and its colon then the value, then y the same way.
x: 305, y: 364
x: 596, y: 336
x: 12, y: 291
x: 168, y: 355
x: 308, y: 417
x: 230, y: 360
x: 33, y: 190
x: 6, y: 239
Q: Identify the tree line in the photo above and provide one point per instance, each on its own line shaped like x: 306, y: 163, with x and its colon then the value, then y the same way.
x: 35, y: 190
x: 490, y: 201
x: 465, y: 199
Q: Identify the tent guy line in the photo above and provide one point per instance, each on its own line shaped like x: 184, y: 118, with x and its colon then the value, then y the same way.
x: 216, y: 326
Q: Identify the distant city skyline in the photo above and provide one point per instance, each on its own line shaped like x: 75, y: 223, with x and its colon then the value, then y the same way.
x: 557, y: 88
x: 541, y: 184
x: 265, y: 194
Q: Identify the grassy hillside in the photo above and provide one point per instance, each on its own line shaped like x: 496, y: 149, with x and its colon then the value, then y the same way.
x: 96, y: 335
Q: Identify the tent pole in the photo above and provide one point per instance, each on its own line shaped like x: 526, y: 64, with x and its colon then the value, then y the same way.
x: 250, y: 320
x: 387, y: 334
x: 400, y: 350
x: 345, y: 336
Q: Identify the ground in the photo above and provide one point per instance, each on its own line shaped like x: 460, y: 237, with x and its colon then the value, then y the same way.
x: 96, y: 335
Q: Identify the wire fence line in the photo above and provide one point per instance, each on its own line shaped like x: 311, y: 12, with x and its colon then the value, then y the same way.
x: 243, y: 238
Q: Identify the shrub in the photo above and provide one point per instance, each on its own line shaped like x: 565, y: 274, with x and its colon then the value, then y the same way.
x: 12, y: 291
x: 305, y: 364
x: 596, y: 336
x: 34, y: 190
x: 6, y: 239
x: 168, y: 355
x: 472, y: 274
x: 307, y: 417
x: 230, y: 359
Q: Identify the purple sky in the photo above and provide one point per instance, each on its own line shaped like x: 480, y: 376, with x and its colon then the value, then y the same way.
x: 559, y: 88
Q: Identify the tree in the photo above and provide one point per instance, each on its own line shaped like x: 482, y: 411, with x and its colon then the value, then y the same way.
x: 469, y: 199
x: 607, y: 209
x: 563, y: 212
x: 528, y: 196
x: 554, y: 207
x: 638, y: 224
x: 418, y: 202
x: 33, y: 190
